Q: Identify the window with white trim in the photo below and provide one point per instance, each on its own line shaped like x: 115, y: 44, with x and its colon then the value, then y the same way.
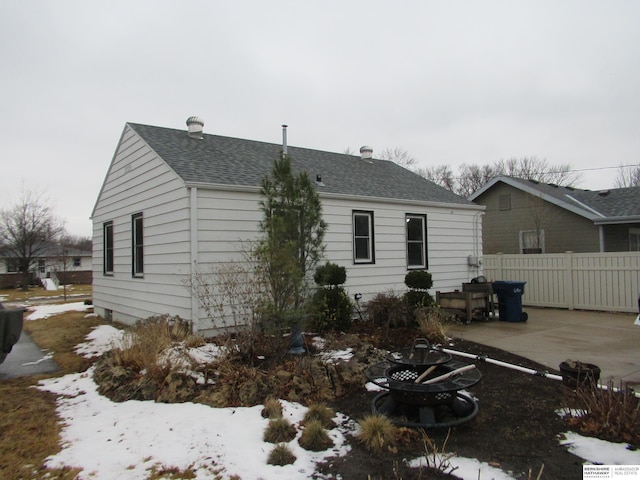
x: 363, y: 242
x: 634, y: 239
x: 137, y: 245
x: 416, y: 241
x: 531, y: 241
x: 107, y: 246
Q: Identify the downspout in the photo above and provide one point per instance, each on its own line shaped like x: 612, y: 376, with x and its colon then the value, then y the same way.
x: 193, y: 221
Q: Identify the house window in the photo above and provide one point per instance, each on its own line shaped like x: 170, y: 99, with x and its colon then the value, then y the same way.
x: 416, y: 241
x: 363, y: 249
x: 41, y: 265
x: 634, y: 239
x: 76, y: 261
x: 107, y: 244
x: 12, y: 265
x: 504, y: 202
x: 531, y: 241
x: 137, y: 245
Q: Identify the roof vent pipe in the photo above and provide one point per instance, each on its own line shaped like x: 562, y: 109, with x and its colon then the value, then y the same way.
x: 195, y: 127
x: 366, y: 152
x: 284, y: 140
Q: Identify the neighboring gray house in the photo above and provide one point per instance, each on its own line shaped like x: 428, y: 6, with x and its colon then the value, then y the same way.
x: 175, y: 202
x: 525, y: 216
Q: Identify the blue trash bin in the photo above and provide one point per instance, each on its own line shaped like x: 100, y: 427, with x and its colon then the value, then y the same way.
x: 510, y: 300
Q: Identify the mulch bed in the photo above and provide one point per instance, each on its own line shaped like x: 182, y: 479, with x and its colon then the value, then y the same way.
x: 517, y: 427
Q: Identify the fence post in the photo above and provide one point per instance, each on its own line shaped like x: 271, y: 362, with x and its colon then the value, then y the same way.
x: 568, y: 279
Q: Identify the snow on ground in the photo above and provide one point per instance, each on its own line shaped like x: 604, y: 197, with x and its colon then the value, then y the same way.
x: 44, y: 311
x: 134, y: 436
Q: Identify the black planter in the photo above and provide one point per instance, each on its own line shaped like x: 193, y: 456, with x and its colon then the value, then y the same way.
x: 578, y: 374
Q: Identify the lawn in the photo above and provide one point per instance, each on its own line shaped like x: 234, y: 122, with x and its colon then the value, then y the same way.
x: 517, y: 430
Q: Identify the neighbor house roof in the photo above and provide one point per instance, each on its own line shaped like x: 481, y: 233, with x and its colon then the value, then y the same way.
x: 617, y: 205
x: 224, y: 161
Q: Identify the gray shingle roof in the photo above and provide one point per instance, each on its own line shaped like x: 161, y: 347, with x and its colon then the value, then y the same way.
x: 609, y: 204
x: 222, y: 160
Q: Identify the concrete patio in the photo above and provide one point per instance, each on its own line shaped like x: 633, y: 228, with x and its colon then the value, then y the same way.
x: 609, y: 340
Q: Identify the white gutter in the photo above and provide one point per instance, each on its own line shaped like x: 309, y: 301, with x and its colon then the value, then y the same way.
x: 193, y: 224
x: 342, y: 196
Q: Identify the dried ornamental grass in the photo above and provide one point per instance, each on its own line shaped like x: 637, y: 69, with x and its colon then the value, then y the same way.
x: 281, y: 455
x: 321, y: 413
x: 272, y: 408
x: 377, y: 432
x: 279, y: 430
x: 314, y: 437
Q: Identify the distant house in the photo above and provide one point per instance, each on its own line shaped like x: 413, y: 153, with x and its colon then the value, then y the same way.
x: 524, y: 216
x: 69, y: 266
x: 175, y: 202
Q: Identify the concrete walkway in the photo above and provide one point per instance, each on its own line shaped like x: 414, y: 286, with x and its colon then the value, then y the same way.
x: 26, y: 358
x: 609, y: 340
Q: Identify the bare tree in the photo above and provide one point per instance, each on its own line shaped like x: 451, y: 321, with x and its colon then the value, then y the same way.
x: 400, y: 156
x: 27, y: 229
x: 628, y: 176
x: 472, y: 177
x: 442, y: 175
x: 534, y: 168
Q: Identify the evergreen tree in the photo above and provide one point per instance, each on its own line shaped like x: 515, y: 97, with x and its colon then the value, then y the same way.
x: 293, y: 234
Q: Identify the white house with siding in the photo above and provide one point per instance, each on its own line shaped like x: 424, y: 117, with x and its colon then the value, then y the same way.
x: 175, y: 202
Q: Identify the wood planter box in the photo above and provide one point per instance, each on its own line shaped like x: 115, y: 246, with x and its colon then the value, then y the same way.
x: 465, y: 305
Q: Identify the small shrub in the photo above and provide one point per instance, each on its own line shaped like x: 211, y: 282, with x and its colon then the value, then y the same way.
x: 433, y: 323
x: 436, y: 457
x: 387, y: 309
x: 377, y: 432
x: 320, y: 413
x: 330, y: 274
x: 279, y: 430
x: 281, y: 455
x: 314, y: 437
x: 609, y: 413
x: 143, y: 347
x: 332, y: 309
x: 418, y: 299
x: 418, y: 280
x: 272, y: 408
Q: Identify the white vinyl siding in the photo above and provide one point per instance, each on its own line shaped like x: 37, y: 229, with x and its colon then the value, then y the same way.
x: 138, y: 181
x: 224, y: 226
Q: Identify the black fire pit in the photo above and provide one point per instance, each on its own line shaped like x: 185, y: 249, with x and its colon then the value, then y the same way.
x: 424, y: 387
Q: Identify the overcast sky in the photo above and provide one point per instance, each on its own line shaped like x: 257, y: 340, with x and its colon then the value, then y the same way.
x: 451, y: 82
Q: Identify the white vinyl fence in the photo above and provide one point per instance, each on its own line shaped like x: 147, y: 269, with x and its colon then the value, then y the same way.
x: 586, y: 281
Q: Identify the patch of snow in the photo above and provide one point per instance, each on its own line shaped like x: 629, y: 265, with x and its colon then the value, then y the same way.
x: 101, y: 339
x: 45, y: 311
x: 134, y: 436
x: 336, y: 356
x: 49, y: 284
x: 594, y: 450
x: 467, y: 468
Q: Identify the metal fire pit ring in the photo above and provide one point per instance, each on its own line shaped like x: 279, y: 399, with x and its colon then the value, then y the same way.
x: 413, y: 416
x: 400, y: 381
x: 421, y: 354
